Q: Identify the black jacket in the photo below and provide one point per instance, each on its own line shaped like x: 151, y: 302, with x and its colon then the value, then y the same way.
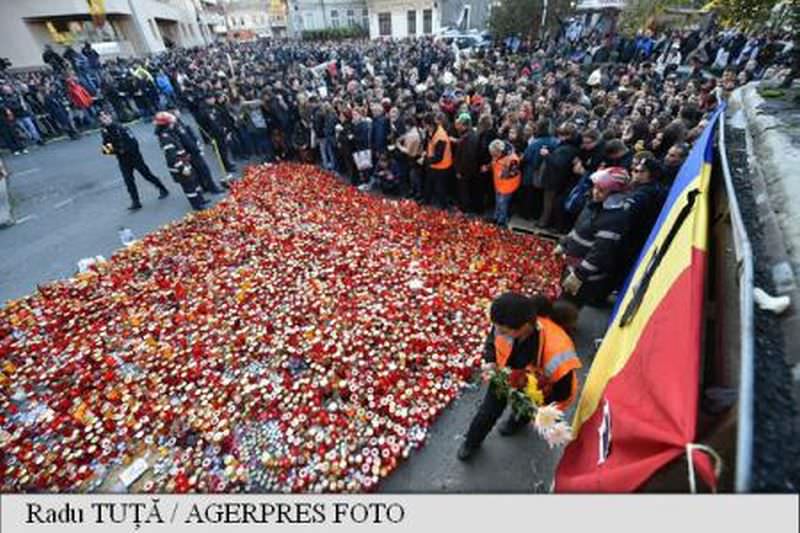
x: 125, y: 146
x: 592, y: 158
x: 209, y: 119
x: 188, y: 138
x: 558, y: 174
x: 467, y: 161
x: 643, y: 204
x: 598, y: 240
x: 176, y: 152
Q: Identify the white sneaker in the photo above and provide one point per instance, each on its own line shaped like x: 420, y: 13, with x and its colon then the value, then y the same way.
x: 24, y: 150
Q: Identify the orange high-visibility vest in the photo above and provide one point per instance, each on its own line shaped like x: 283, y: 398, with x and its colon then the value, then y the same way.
x: 447, y: 158
x: 556, y: 357
x: 506, y: 179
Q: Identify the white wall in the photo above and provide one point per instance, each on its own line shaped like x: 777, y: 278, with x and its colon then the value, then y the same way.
x: 398, y: 10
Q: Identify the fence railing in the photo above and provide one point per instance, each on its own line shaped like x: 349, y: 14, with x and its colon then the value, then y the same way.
x: 744, y: 263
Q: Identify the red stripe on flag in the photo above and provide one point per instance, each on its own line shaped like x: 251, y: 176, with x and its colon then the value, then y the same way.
x: 652, y: 400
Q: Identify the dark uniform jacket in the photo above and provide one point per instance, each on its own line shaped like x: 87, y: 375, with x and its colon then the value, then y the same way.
x: 188, y: 138
x: 209, y: 119
x: 595, y: 246
x: 125, y: 146
x: 175, y: 152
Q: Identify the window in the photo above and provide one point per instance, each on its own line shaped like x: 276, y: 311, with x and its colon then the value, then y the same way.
x: 385, y: 23
x: 365, y: 18
x: 309, y: 20
x: 351, y: 17
x: 427, y: 21
x: 412, y: 22
x: 334, y: 18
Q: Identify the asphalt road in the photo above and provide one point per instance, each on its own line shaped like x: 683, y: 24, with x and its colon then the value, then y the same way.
x: 70, y: 202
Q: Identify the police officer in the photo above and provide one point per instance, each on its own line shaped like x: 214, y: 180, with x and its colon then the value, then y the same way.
x: 211, y: 122
x: 179, y: 160
x: 192, y: 145
x: 119, y: 141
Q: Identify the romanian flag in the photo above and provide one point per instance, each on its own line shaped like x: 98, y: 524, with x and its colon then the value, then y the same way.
x: 638, y: 409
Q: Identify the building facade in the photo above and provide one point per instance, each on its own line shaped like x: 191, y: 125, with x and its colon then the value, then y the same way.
x: 247, y: 18
x: 131, y: 27
x: 305, y: 15
x: 403, y: 18
x: 388, y: 18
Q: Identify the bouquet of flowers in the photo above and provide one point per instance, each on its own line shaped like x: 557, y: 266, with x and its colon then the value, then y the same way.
x: 526, y: 391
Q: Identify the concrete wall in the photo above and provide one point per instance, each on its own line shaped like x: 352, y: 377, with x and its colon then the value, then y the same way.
x: 23, y: 33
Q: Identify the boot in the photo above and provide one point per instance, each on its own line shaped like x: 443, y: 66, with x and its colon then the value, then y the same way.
x: 197, y: 202
x: 135, y: 206
x: 162, y: 193
x: 466, y: 451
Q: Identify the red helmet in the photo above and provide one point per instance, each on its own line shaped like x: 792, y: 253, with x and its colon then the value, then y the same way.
x: 163, y: 118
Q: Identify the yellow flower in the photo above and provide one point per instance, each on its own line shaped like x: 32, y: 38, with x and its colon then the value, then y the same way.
x: 533, y: 392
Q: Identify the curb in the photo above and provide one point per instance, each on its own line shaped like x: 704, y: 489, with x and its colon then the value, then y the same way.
x: 774, y: 160
x: 6, y: 217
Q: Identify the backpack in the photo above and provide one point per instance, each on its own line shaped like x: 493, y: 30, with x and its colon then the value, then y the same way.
x: 576, y: 199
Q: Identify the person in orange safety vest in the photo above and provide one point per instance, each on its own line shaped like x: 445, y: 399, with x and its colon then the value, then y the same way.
x: 528, y: 333
x: 507, y: 177
x: 438, y: 161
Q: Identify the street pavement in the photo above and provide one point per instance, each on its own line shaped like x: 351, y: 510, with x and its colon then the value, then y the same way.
x: 70, y: 203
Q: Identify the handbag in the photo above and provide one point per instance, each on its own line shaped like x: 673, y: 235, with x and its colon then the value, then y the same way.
x: 363, y: 159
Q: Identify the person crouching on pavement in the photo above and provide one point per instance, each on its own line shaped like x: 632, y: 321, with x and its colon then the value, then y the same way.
x: 507, y: 178
x: 120, y: 142
x: 179, y: 158
x: 528, y: 333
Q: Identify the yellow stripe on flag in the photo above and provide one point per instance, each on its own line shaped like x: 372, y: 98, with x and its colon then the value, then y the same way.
x: 620, y: 342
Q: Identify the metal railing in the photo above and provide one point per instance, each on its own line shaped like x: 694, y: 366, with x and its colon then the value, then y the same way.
x: 744, y: 260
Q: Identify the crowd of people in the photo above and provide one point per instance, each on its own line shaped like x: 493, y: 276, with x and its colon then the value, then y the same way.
x: 583, y: 134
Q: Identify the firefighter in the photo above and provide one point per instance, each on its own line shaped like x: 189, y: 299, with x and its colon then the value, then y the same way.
x: 595, y: 249
x: 527, y: 333
x: 195, y: 149
x: 120, y: 142
x: 179, y: 160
